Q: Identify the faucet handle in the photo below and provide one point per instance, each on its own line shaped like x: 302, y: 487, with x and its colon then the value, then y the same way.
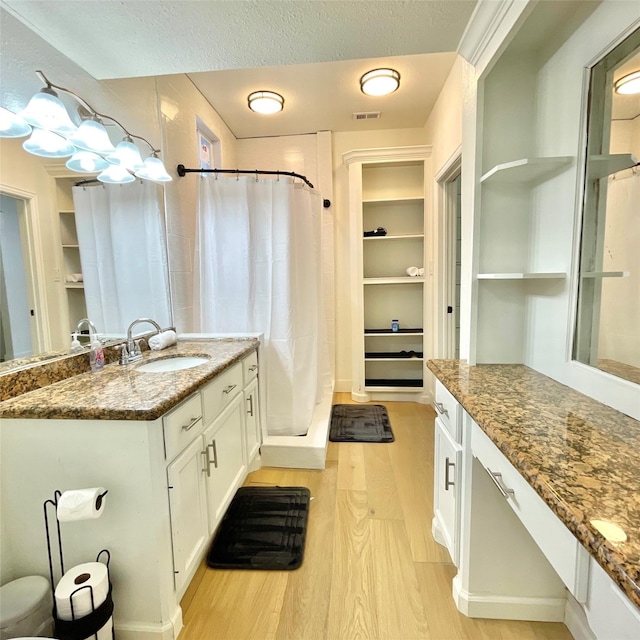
x: 137, y: 351
x: 124, y: 354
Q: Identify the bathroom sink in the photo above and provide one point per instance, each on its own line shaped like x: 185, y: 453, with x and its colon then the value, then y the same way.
x: 163, y: 365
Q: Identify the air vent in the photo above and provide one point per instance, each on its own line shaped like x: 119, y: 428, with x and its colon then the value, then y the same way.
x: 367, y: 115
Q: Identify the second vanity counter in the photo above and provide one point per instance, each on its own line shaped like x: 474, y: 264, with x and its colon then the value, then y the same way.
x: 581, y: 457
x: 121, y: 392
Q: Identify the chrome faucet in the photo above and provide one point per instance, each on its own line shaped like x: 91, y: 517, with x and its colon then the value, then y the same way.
x: 92, y: 328
x: 131, y: 352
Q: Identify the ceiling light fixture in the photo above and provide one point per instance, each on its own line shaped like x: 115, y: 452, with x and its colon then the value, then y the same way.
x: 54, y: 135
x: 380, y: 82
x: 265, y: 102
x: 629, y: 84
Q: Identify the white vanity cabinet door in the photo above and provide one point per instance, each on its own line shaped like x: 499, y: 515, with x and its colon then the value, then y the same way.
x: 446, y: 489
x: 188, y: 506
x: 225, y: 459
x: 251, y: 420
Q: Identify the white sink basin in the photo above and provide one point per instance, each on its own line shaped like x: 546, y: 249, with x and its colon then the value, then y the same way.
x: 163, y: 365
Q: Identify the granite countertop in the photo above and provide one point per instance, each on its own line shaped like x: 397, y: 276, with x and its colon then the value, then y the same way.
x: 123, y: 393
x: 580, y: 456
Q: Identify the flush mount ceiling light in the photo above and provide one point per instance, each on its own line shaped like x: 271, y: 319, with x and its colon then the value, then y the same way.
x: 629, y: 84
x: 265, y: 102
x: 380, y: 82
x: 55, y: 135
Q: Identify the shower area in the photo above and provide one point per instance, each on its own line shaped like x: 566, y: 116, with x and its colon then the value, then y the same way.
x: 261, y: 244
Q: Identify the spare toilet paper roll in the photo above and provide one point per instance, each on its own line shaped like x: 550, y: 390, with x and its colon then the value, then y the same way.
x: 412, y: 271
x: 162, y: 340
x: 89, y: 574
x: 81, y: 504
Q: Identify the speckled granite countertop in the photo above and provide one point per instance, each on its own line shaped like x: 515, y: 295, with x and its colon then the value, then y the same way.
x: 581, y: 457
x: 123, y: 393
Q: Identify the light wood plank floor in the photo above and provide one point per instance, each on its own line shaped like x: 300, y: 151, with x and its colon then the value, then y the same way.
x: 371, y: 569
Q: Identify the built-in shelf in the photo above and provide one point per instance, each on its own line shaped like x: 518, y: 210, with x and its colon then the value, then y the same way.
x: 74, y: 285
x: 407, y: 236
x: 387, y: 384
x: 409, y: 199
x: 526, y: 170
x: 605, y: 274
x: 401, y: 356
x: 70, y: 246
x: 387, y: 332
x: 522, y: 276
x: 603, y: 166
x: 394, y: 280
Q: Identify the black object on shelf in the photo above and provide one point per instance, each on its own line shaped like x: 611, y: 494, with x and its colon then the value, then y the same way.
x: 387, y: 382
x: 374, y: 331
x: 409, y: 355
x: 376, y: 233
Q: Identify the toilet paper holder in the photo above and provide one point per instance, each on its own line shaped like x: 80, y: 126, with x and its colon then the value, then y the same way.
x: 87, y: 626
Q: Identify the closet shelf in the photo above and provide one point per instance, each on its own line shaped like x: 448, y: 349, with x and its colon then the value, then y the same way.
x: 390, y: 384
x: 404, y: 356
x: 74, y: 285
x: 388, y: 332
x: 522, y: 276
x: 605, y: 274
x: 526, y: 170
x: 407, y: 236
x: 394, y: 280
x: 407, y: 200
x: 603, y: 166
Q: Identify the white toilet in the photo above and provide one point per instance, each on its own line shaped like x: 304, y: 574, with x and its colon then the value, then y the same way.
x: 26, y: 608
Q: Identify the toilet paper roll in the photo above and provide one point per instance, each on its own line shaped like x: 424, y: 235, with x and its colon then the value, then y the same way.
x: 412, y: 271
x: 106, y: 632
x: 81, y: 504
x: 89, y: 574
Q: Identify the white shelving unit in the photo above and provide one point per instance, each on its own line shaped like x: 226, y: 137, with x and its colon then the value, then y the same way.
x: 526, y: 170
x: 386, y: 189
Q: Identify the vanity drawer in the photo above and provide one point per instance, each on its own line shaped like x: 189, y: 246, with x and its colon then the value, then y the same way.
x: 220, y: 391
x: 181, y: 425
x: 250, y: 367
x: 561, y: 548
x: 448, y: 410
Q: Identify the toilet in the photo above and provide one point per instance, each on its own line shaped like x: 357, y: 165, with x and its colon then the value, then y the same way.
x: 26, y: 608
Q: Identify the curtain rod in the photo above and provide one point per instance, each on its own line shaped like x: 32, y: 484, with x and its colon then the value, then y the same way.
x: 182, y: 171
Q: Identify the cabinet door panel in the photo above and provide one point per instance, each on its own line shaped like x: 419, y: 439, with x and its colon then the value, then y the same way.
x: 224, y: 440
x: 188, y: 505
x: 251, y: 419
x: 448, y: 458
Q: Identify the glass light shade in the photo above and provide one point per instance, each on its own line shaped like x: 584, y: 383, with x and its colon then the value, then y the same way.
x: 46, y: 111
x: 153, y: 169
x: 12, y: 125
x: 86, y: 162
x: 48, y: 145
x: 115, y: 174
x: 92, y: 136
x: 265, y: 102
x: 380, y: 82
x: 629, y: 84
x: 126, y: 155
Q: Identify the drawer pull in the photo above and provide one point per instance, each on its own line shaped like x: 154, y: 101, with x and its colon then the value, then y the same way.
x: 194, y: 421
x: 250, y: 401
x: 440, y: 409
x: 496, y: 477
x: 448, y: 483
x: 253, y: 367
x: 215, y: 452
x: 229, y: 389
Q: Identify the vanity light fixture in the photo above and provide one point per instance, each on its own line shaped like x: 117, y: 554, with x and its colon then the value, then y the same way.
x: 54, y: 135
x: 380, y: 82
x: 265, y: 102
x: 629, y: 84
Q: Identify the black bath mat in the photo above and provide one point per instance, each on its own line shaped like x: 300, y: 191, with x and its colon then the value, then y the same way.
x: 263, y: 528
x: 360, y: 423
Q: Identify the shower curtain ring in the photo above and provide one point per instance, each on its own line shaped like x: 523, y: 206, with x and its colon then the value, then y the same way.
x: 256, y: 175
x: 237, y: 175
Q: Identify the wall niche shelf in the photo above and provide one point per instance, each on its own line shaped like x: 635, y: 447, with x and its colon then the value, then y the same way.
x: 408, y: 236
x: 526, y: 170
x: 605, y: 274
x: 387, y: 332
x: 394, y: 280
x: 522, y: 276
x: 603, y: 166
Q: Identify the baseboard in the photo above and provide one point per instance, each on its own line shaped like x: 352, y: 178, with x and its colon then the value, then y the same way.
x: 168, y: 631
x: 576, y: 620
x: 506, y: 607
x: 342, y: 386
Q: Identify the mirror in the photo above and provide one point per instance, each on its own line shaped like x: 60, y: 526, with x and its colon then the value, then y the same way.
x: 99, y: 253
x: 607, y: 332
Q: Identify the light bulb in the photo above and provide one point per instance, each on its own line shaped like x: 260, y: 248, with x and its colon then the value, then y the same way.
x: 46, y: 111
x: 12, y: 125
x: 153, y: 169
x: 48, y: 145
x: 92, y: 136
x: 115, y: 174
x: 86, y: 162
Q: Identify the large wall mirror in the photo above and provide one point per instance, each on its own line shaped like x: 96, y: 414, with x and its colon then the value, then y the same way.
x: 607, y: 332
x: 69, y: 252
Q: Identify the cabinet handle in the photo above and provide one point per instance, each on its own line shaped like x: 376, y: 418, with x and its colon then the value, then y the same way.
x: 207, y: 467
x: 253, y: 367
x: 440, y: 409
x: 250, y: 401
x: 215, y: 452
x: 188, y: 427
x: 448, y: 483
x: 229, y: 389
x: 496, y: 477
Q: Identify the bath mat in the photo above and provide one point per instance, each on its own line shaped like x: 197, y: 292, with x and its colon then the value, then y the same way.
x: 360, y: 423
x: 263, y: 528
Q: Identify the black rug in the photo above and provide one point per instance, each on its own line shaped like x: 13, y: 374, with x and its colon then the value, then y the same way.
x: 360, y: 423
x: 263, y: 528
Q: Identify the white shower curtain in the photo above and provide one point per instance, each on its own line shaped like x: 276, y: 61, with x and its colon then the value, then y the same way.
x: 258, y: 269
x: 123, y: 254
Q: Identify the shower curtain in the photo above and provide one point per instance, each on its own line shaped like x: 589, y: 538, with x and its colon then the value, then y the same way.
x: 123, y: 254
x: 258, y: 269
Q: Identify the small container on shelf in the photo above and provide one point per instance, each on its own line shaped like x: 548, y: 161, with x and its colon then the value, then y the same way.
x: 395, y: 326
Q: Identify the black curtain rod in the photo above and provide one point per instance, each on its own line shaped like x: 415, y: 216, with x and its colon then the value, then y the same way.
x: 182, y: 171
x: 89, y: 181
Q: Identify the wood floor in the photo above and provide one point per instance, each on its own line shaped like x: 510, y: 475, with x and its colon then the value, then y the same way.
x: 371, y: 569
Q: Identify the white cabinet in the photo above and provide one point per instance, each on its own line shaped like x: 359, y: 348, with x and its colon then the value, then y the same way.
x: 252, y: 421
x: 386, y: 189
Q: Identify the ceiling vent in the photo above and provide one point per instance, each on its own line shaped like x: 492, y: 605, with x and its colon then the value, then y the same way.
x: 367, y: 115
